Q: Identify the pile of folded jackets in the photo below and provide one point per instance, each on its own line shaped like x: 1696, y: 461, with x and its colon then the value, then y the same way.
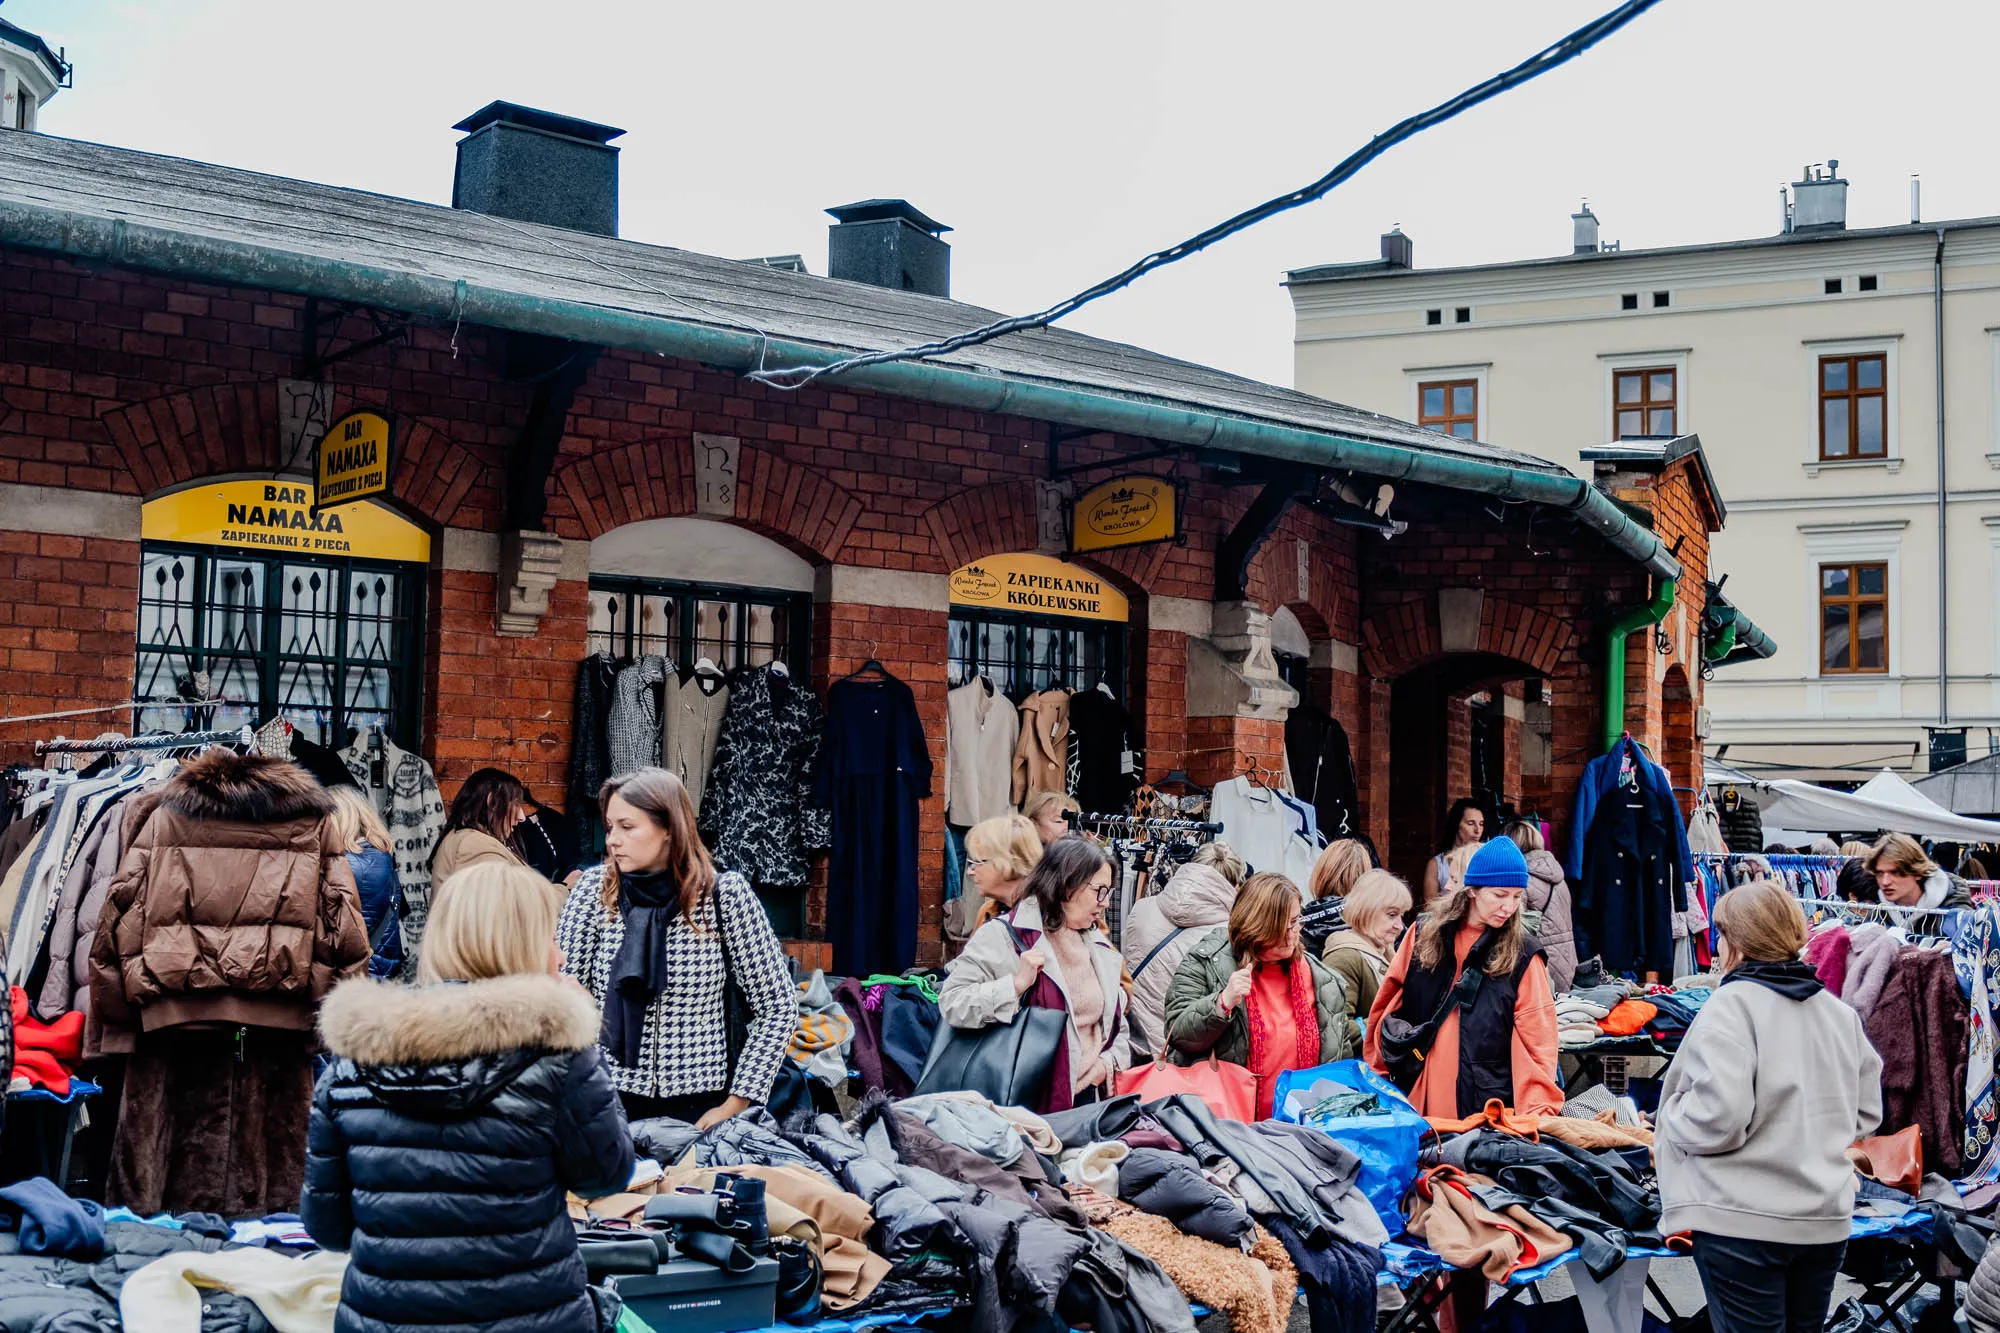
x: 1505, y: 1197
x: 1114, y: 1216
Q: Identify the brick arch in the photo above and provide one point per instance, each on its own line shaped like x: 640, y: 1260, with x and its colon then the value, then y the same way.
x: 804, y: 510
x: 219, y: 429
x: 983, y: 520
x: 1403, y: 637
x: 1680, y: 749
x: 434, y: 473
x: 1310, y: 619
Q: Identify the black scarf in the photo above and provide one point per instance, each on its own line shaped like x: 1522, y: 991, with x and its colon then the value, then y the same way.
x: 649, y: 904
x: 1794, y: 981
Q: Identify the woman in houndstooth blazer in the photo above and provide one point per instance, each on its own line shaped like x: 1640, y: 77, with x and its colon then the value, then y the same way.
x: 652, y: 934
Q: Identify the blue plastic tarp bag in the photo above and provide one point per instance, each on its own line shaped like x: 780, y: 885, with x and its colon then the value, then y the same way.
x: 1387, y: 1144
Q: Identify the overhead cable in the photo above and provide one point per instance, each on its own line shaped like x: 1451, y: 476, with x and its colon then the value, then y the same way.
x: 1551, y: 57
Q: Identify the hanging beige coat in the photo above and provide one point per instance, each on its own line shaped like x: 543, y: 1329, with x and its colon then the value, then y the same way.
x: 1041, y: 757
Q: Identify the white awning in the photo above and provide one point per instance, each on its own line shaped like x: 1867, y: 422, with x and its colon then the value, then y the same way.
x: 1885, y: 803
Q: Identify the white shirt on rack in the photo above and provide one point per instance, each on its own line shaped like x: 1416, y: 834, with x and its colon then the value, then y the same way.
x: 1258, y: 827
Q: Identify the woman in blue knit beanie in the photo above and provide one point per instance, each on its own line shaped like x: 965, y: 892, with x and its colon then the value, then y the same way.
x: 1502, y: 1044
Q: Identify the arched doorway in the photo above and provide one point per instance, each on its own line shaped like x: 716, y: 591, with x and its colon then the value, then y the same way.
x: 710, y: 597
x: 1448, y: 722
x: 688, y: 588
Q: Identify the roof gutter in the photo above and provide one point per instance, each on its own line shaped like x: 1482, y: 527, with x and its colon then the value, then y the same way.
x: 211, y: 259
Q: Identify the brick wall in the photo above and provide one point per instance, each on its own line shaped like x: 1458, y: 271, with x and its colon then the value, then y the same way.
x: 502, y: 702
x: 114, y: 381
x: 69, y: 608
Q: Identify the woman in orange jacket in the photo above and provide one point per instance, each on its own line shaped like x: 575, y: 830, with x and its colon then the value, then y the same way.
x: 1452, y: 1056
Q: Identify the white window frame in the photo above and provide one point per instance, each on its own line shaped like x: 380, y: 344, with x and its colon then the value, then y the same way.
x: 1887, y: 346
x: 1993, y: 412
x: 1422, y: 375
x: 1675, y: 358
x: 1991, y: 522
x: 1878, y: 541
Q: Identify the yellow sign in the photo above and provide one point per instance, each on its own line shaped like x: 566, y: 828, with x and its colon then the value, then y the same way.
x: 351, y: 461
x: 1127, y: 511
x: 278, y: 516
x: 1039, y: 584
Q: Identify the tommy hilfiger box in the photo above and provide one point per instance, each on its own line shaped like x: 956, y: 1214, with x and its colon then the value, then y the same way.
x: 691, y: 1296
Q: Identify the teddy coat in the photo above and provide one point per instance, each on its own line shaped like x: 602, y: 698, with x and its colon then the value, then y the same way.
x: 1196, y: 1029
x: 446, y: 1135
x: 1919, y: 1027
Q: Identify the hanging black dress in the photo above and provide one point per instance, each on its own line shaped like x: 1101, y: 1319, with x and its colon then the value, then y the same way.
x: 874, y: 768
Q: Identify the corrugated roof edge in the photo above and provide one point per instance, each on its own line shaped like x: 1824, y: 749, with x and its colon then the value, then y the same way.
x: 211, y: 259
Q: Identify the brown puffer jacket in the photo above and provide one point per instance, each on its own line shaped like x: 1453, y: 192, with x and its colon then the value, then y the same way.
x: 234, y: 904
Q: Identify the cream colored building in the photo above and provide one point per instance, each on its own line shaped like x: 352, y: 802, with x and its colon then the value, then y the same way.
x: 1807, y: 363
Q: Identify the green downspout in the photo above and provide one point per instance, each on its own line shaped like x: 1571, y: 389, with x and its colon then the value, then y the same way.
x: 431, y: 285
x: 1652, y: 613
x: 1724, y: 643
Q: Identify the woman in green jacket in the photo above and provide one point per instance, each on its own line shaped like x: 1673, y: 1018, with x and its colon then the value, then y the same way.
x: 1281, y: 1009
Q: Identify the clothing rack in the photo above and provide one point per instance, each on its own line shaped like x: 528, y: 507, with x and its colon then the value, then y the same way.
x: 1887, y: 909
x: 184, y: 740
x: 136, y: 705
x: 1135, y: 824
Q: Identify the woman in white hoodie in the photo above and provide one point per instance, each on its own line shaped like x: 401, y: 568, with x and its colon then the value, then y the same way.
x: 1772, y: 1083
x: 1165, y: 925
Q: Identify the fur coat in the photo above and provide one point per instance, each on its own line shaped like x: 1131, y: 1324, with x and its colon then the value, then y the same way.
x: 1871, y: 956
x: 1918, y: 1027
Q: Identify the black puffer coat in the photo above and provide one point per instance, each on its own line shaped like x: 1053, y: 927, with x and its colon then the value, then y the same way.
x: 444, y: 1137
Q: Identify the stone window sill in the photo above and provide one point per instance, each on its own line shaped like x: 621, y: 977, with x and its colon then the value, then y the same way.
x: 1890, y: 465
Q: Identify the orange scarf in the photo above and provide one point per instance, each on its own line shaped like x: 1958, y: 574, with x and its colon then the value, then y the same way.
x: 1305, y: 1017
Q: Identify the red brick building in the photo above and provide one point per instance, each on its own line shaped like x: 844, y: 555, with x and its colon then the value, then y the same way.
x: 580, y: 461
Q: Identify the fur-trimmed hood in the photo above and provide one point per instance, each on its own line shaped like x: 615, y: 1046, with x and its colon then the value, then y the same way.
x: 377, y: 1023
x: 250, y: 788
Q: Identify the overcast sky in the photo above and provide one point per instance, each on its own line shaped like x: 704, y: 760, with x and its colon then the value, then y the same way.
x: 1063, y: 140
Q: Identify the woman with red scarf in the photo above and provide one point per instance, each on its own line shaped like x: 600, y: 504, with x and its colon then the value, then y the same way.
x: 1280, y: 1008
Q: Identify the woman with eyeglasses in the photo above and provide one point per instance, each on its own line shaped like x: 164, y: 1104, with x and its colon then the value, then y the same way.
x: 1047, y: 952
x: 1250, y: 993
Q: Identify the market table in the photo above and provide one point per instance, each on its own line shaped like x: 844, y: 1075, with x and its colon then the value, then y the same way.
x: 42, y: 1129
x: 1417, y: 1271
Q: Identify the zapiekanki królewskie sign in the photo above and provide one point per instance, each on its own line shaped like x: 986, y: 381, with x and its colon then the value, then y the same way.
x: 1039, y: 585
